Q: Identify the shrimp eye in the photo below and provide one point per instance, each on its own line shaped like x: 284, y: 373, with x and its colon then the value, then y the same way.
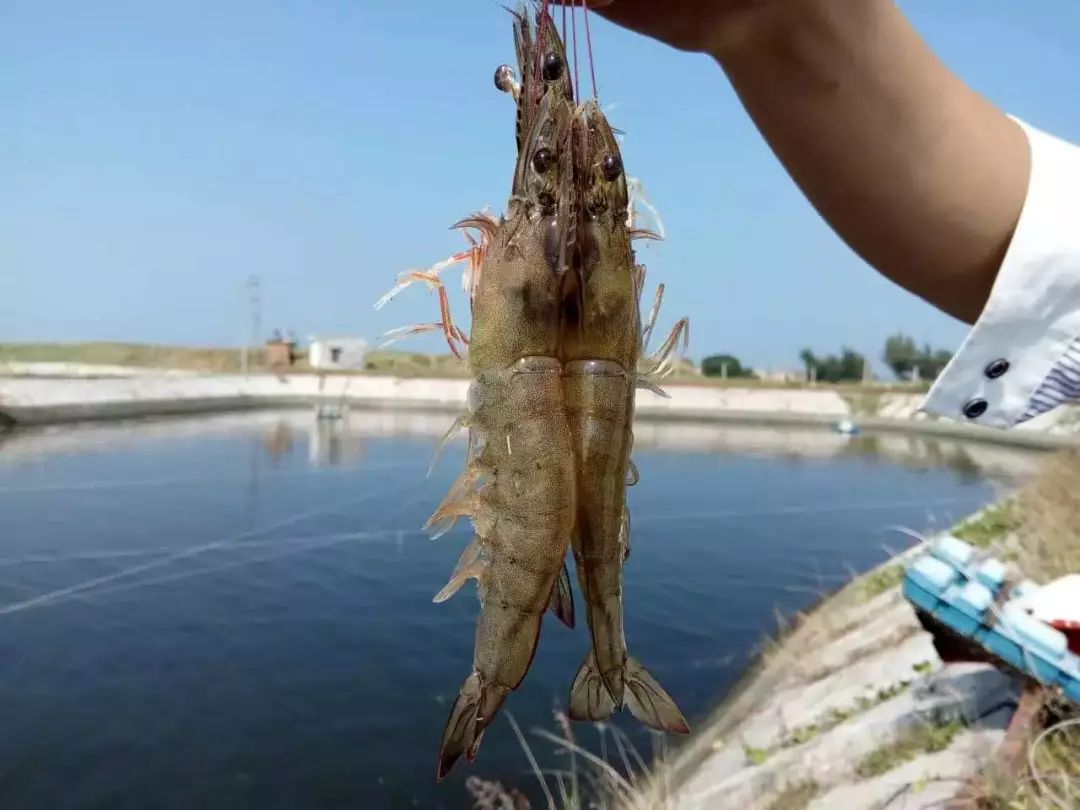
x: 543, y: 159
x: 504, y: 78
x: 552, y: 68
x: 547, y: 203
x: 611, y: 166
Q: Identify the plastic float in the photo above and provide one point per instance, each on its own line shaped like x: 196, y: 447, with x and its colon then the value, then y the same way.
x: 847, y: 427
x: 974, y: 613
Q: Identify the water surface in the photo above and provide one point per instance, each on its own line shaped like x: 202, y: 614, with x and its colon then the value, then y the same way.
x: 236, y: 611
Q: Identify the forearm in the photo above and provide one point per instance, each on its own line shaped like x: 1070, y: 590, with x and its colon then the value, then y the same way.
x: 919, y: 174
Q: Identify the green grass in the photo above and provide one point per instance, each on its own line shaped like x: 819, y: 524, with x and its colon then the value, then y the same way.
x: 834, y: 717
x: 879, y: 581
x: 925, y: 738
x: 756, y: 756
x: 990, y: 526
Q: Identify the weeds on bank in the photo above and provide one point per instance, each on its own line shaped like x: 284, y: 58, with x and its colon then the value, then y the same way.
x: 924, y: 738
x: 833, y: 718
x: 796, y: 797
x: 990, y: 526
x: 881, y: 580
x: 1047, y: 515
x: 617, y: 778
x: 1049, y: 778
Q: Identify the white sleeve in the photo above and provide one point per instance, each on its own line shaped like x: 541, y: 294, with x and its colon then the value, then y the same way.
x: 1022, y: 356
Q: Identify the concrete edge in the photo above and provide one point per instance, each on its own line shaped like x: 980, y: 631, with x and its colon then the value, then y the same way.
x: 94, y: 411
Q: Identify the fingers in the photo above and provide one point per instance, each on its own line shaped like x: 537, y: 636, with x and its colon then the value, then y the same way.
x: 589, y: 3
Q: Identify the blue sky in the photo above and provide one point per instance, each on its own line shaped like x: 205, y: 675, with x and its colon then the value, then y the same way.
x: 153, y: 155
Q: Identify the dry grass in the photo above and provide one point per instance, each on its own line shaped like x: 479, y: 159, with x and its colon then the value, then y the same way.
x: 379, y: 361
x: 796, y: 797
x: 1044, y: 544
x: 612, y: 776
x: 219, y: 360
x: 128, y: 354
x: 1050, y: 777
x: 1048, y: 527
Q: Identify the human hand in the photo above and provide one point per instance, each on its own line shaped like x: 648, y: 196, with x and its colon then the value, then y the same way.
x: 706, y: 26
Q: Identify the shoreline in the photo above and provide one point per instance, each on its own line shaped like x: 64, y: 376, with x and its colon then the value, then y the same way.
x: 819, y: 718
x: 35, y: 401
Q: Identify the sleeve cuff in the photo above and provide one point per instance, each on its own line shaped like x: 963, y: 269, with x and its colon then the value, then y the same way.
x: 1033, y: 313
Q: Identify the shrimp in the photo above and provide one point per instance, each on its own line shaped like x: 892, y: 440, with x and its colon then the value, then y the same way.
x: 553, y: 349
x: 602, y: 340
x: 518, y: 484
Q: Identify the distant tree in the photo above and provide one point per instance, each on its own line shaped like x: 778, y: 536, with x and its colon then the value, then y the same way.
x: 902, y: 356
x: 714, y: 366
x: 932, y: 363
x: 809, y: 361
x: 845, y: 367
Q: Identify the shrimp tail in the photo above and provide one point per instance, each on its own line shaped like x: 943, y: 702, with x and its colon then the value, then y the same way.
x: 649, y: 703
x: 474, y: 708
x: 589, y: 695
x: 562, y: 599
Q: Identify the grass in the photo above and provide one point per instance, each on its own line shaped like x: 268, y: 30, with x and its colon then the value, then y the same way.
x: 991, y: 526
x: 616, y: 778
x: 796, y: 797
x: 1039, y: 533
x: 833, y: 718
x: 128, y: 354
x: 881, y: 580
x: 382, y: 361
x: 925, y: 738
x: 1050, y: 777
x: 220, y: 360
x: 1046, y: 518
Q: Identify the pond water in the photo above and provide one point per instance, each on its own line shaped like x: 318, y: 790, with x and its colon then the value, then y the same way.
x: 235, y: 611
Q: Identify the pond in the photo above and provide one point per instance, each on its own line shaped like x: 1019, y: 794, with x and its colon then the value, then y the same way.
x: 235, y: 611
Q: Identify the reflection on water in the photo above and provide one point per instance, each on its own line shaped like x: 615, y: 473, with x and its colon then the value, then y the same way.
x: 235, y: 611
x: 340, y: 441
x: 931, y: 453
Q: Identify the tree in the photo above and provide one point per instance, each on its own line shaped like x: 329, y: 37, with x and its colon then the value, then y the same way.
x: 809, y: 361
x: 845, y: 367
x: 900, y: 355
x: 903, y: 358
x: 719, y: 365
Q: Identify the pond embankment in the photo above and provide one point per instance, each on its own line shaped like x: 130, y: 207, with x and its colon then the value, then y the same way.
x: 853, y: 708
x: 33, y: 394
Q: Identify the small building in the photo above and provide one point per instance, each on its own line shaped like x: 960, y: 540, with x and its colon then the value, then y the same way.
x: 279, y: 354
x: 780, y: 375
x: 337, y: 354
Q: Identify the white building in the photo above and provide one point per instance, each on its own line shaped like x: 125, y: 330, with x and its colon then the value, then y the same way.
x: 342, y: 353
x: 782, y: 375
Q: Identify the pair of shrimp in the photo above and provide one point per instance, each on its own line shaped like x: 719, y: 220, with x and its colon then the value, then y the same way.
x: 554, y: 350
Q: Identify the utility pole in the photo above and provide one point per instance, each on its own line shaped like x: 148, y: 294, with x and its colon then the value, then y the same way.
x: 255, y: 301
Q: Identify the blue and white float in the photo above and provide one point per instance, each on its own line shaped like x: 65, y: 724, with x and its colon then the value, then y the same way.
x: 970, y: 596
